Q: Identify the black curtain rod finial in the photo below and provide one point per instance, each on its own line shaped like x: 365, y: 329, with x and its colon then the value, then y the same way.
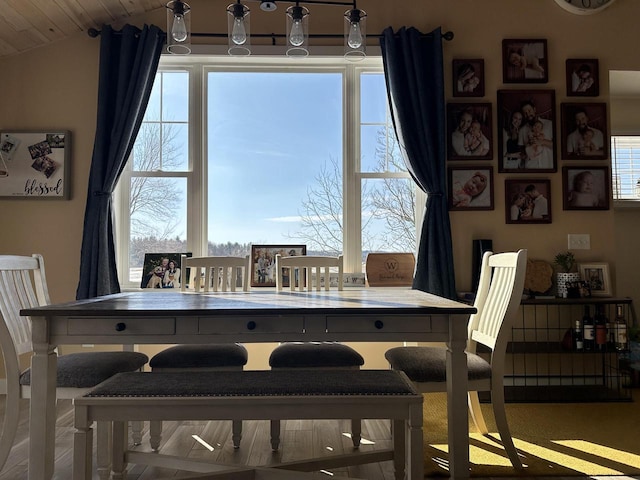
x: 93, y: 33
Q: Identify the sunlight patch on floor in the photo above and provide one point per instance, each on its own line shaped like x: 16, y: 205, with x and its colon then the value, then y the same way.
x: 603, y: 451
x: 202, y: 442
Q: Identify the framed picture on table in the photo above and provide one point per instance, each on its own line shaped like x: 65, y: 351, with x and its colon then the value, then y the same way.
x: 263, y: 263
x: 163, y: 270
x: 597, y: 276
x: 470, y: 188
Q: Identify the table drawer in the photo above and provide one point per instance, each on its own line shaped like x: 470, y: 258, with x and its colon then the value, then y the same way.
x: 114, y: 326
x: 262, y: 324
x: 387, y: 323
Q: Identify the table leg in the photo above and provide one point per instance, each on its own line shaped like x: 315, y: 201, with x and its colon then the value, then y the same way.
x: 457, y: 385
x: 42, y: 411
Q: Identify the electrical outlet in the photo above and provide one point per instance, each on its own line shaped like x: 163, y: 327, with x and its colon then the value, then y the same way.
x: 579, y: 241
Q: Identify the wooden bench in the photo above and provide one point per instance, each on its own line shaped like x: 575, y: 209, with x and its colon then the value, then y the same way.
x: 252, y: 395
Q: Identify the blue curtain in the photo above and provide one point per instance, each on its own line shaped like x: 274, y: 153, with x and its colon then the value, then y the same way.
x: 128, y: 64
x: 415, y: 86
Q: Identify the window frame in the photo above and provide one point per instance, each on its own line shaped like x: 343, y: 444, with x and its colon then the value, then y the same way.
x: 623, y: 202
x: 198, y: 67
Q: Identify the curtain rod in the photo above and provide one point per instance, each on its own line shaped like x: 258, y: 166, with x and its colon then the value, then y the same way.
x: 93, y: 33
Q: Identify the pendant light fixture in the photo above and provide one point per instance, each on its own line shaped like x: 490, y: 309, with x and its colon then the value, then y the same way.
x: 238, y: 29
x: 178, y: 27
x: 355, y: 33
x: 297, y: 31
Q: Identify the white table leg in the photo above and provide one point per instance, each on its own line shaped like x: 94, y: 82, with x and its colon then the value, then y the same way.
x: 42, y: 412
x: 457, y: 384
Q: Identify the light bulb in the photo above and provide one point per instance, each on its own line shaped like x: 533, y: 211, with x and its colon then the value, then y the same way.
x: 296, y: 37
x: 179, y: 28
x: 239, y: 32
x: 355, y: 35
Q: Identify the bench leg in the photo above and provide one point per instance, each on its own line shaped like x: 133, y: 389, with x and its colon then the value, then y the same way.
x: 399, y: 438
x: 356, y: 431
x: 119, y: 440
x: 155, y: 434
x: 275, y: 434
x: 82, y: 453
x: 415, y: 450
x: 136, y: 432
x: 103, y: 450
x: 236, y: 433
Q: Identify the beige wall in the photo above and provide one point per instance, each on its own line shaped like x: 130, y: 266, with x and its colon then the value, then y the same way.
x: 55, y: 88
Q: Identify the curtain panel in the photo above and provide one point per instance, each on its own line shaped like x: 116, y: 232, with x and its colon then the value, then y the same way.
x: 413, y: 69
x: 128, y: 64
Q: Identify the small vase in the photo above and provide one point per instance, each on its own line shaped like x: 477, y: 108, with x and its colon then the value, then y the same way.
x: 564, y: 281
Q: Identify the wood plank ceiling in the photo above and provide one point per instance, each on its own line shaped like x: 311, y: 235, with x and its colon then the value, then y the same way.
x: 28, y: 24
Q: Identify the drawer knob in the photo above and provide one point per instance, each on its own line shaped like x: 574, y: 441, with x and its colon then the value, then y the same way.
x: 121, y: 327
x: 379, y: 324
x: 251, y: 325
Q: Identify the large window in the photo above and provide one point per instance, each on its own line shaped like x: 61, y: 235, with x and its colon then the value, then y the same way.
x: 236, y: 152
x: 625, y: 164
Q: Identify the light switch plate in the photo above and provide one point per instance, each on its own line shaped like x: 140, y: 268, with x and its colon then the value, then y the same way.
x: 579, y: 241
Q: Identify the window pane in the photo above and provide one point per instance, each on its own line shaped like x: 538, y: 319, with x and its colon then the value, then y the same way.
x: 158, y: 213
x: 625, y: 161
x: 388, y: 215
x: 175, y: 147
x: 373, y: 109
x: 379, y: 149
x: 175, y: 96
x: 275, y: 159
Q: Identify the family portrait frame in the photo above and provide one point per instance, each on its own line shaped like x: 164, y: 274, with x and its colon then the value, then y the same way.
x: 584, y: 131
x: 598, y: 278
x: 154, y: 270
x: 527, y: 201
x: 524, y: 61
x: 35, y: 164
x: 469, y: 131
x: 470, y: 188
x: 583, y: 77
x: 526, y: 131
x: 263, y: 263
x: 468, y: 77
x: 585, y: 188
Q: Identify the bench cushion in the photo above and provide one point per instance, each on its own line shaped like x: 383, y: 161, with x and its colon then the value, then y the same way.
x: 255, y: 383
x: 429, y: 364
x: 201, y: 356
x: 88, y: 369
x: 314, y: 355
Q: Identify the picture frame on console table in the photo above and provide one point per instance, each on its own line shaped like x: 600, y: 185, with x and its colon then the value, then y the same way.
x: 597, y: 276
x: 35, y: 164
x: 263, y: 263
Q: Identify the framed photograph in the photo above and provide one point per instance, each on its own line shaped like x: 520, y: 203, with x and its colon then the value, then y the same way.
x: 524, y: 61
x: 597, y: 276
x: 35, y: 164
x: 583, y: 77
x: 162, y: 270
x: 526, y: 126
x: 263, y: 263
x: 528, y: 201
x: 469, y: 130
x: 585, y: 188
x: 584, y: 131
x: 468, y: 77
x: 470, y: 188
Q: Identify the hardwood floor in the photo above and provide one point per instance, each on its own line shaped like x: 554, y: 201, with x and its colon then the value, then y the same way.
x: 300, y: 439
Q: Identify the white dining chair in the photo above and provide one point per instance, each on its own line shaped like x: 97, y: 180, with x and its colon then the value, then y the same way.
x: 497, y: 300
x: 23, y: 285
x: 205, y: 274
x: 308, y: 273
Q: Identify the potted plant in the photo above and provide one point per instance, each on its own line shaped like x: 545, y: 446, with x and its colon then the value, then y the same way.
x: 565, y: 276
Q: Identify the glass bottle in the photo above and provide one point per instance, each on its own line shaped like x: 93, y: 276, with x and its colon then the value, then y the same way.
x: 588, y: 329
x: 621, y: 329
x: 578, y: 342
x: 600, y: 321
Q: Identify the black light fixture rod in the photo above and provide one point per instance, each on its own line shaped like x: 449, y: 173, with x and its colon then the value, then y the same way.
x: 93, y: 33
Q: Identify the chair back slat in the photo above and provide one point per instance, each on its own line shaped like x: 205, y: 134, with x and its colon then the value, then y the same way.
x: 499, y: 293
x: 22, y: 285
x: 218, y: 273
x: 305, y: 268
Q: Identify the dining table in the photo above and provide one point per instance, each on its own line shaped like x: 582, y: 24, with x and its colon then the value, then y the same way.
x: 261, y: 315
